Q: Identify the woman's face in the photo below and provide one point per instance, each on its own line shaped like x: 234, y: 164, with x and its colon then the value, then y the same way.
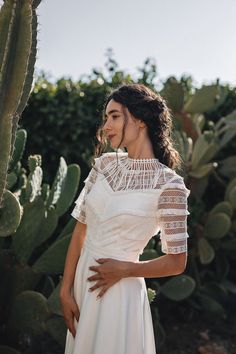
x: 114, y: 121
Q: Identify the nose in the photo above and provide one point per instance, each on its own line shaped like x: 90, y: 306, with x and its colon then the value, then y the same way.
x: 107, y: 126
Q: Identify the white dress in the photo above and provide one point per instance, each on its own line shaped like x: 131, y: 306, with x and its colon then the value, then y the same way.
x: 123, y: 206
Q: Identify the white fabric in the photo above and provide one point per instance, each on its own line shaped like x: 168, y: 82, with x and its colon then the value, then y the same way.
x: 124, y: 204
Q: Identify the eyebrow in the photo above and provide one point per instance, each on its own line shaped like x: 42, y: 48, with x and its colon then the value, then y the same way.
x: 112, y: 111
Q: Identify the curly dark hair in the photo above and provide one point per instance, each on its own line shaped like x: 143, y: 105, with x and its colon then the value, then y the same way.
x: 151, y: 108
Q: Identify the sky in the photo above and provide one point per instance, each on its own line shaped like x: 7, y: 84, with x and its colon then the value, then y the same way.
x: 183, y: 37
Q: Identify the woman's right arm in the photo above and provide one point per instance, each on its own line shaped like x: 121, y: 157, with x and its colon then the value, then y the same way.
x: 72, y: 257
x: 69, y: 307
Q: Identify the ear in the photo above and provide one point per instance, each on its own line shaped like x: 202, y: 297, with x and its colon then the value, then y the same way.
x: 141, y: 124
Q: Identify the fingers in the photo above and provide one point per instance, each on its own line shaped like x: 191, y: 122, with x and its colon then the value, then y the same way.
x: 70, y: 311
x: 94, y: 268
x: 102, y: 292
x: 97, y: 285
x: 95, y: 277
x: 76, y: 312
x: 102, y: 260
x: 71, y: 326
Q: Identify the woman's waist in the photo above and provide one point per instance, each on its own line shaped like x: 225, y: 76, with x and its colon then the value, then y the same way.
x: 109, y: 251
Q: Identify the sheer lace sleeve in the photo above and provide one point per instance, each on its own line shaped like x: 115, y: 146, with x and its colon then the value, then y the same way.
x: 172, y: 216
x: 79, y: 211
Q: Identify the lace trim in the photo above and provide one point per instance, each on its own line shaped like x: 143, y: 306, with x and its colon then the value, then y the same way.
x: 133, y: 174
x: 79, y: 210
x: 175, y: 250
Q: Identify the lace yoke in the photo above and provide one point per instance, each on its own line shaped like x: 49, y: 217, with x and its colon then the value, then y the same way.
x: 145, y: 174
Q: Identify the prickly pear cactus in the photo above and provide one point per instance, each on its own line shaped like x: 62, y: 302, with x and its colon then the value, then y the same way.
x: 35, y: 178
x: 28, y: 316
x: 10, y: 214
x: 179, y: 287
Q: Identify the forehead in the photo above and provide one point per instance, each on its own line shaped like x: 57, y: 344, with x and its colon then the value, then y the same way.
x: 113, y: 106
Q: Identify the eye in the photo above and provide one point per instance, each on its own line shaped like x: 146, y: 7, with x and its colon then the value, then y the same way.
x: 113, y: 117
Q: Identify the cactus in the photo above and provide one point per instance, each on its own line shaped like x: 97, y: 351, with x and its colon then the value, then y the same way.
x: 228, y: 129
x: 52, y: 261
x: 230, y: 187
x: 56, y: 327
x: 21, y: 136
x: 34, y: 180
x: 36, y: 226
x: 148, y: 254
x: 210, y: 305
x: 54, y: 301
x: 10, y: 215
x: 222, y: 207
x: 185, y: 145
x: 17, y: 278
x: 68, y: 229
x: 179, y: 287
x: 204, y: 149
x: 203, y: 170
x: 206, y: 99
x: 40, y: 217
x: 18, y: 41
x: 205, y: 251
x: 228, y: 167
x: 67, y: 193
x: 217, y: 225
x: 11, y: 180
x: 173, y: 92
x: 45, y: 192
x: 21, y: 278
x: 57, y: 183
x: 28, y: 316
x: 232, y: 197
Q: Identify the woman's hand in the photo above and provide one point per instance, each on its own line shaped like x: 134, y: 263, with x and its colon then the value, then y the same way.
x: 109, y: 272
x: 70, y: 310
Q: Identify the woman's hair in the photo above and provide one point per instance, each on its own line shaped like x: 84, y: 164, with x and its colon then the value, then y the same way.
x: 149, y: 107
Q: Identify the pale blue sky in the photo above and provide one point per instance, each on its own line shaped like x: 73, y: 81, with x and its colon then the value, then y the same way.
x: 196, y: 37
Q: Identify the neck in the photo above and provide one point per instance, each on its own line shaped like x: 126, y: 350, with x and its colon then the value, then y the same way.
x: 143, y: 150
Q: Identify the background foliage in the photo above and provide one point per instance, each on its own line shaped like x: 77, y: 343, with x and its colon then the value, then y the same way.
x: 61, y: 120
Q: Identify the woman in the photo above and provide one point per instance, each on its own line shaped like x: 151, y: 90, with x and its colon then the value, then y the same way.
x: 128, y: 197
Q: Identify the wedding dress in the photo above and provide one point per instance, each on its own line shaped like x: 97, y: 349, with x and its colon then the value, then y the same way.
x: 124, y: 203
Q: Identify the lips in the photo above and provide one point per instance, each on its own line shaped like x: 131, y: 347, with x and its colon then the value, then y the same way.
x: 111, y: 136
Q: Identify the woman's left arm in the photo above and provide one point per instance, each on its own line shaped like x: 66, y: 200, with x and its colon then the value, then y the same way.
x: 163, y: 266
x: 110, y: 271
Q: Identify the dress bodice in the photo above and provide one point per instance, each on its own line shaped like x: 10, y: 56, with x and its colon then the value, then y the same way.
x: 125, y: 202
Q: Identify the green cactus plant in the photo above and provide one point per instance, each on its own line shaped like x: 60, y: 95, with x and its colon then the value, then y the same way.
x: 10, y: 215
x: 26, y: 265
x: 200, y: 142
x: 178, y: 287
x: 52, y: 261
x: 205, y: 250
x: 217, y: 225
x: 18, y: 42
x: 56, y: 327
x: 28, y: 316
x: 206, y: 99
x: 222, y: 207
x: 35, y: 178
